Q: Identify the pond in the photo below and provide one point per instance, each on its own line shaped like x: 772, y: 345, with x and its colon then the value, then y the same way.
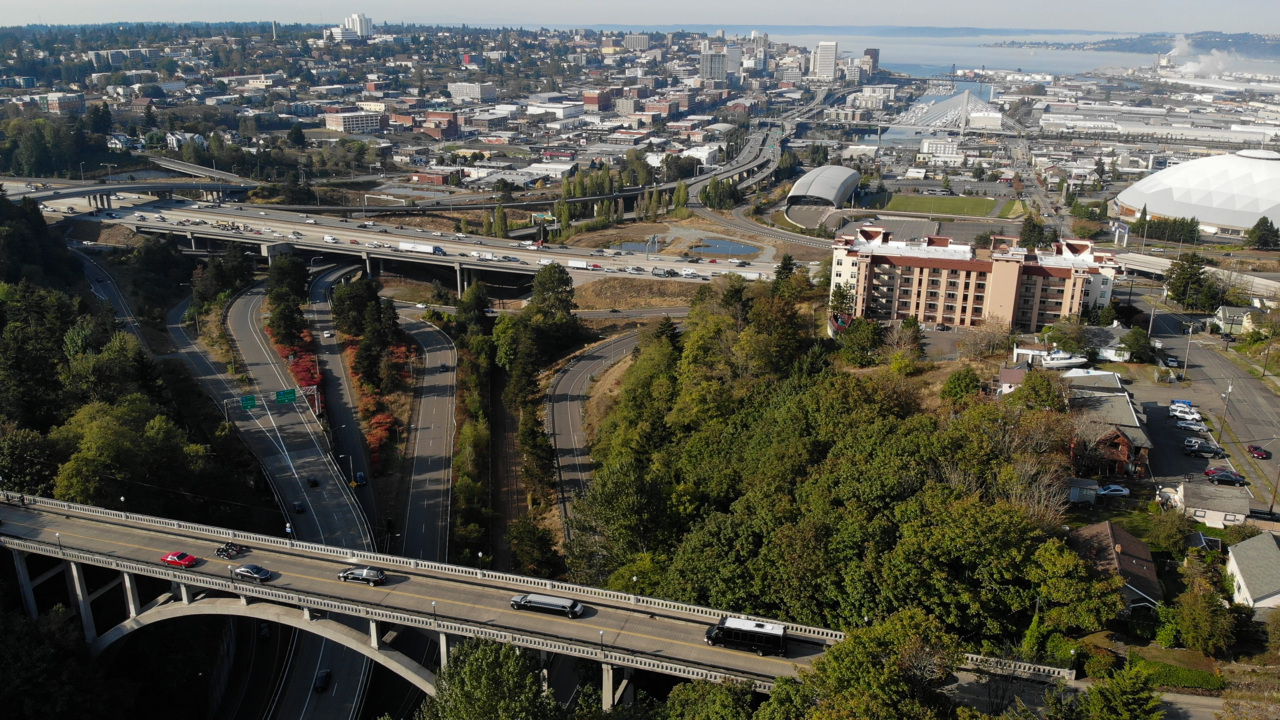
x: 720, y: 246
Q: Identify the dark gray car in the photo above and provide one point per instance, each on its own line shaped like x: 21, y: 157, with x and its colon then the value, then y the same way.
x: 253, y: 573
x: 371, y: 575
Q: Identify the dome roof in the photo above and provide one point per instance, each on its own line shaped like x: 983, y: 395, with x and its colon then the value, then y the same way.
x: 1224, y: 190
x: 829, y: 185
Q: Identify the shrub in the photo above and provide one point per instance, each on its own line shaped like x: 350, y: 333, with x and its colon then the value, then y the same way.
x: 1062, y: 651
x: 1098, y: 661
x: 1173, y: 676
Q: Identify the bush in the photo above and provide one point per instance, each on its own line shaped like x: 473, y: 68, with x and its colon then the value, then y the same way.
x: 1099, y: 661
x: 1173, y: 676
x: 1061, y: 651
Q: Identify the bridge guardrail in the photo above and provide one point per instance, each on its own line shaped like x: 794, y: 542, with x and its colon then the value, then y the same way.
x: 345, y: 554
x: 689, y: 669
x: 1030, y: 671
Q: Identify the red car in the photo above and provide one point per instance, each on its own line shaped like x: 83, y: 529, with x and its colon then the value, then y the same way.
x: 1260, y: 453
x: 1216, y: 470
x: 179, y: 559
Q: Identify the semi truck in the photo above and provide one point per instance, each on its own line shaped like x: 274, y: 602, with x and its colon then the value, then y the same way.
x: 421, y: 248
x: 579, y: 264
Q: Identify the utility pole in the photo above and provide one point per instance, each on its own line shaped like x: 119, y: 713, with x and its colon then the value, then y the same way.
x: 1226, y: 410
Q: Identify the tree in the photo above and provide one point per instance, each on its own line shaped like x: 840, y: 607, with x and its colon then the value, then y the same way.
x: 705, y: 700
x: 1204, y: 623
x: 487, y: 679
x: 499, y: 222
x: 1032, y: 233
x: 894, y: 669
x: 1074, y: 597
x: 286, y: 322
x: 296, y: 137
x: 1106, y: 316
x: 1138, y: 344
x: 289, y: 273
x: 1263, y: 235
x: 1187, y: 282
x: 681, y: 197
x: 1126, y: 695
x: 961, y: 384
x: 350, y: 301
x: 553, y: 292
x: 1038, y: 392
x: 860, y: 341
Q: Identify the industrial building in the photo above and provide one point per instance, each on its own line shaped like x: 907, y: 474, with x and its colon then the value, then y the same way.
x: 937, y: 280
x: 355, y: 122
x: 831, y: 185
x: 1226, y: 193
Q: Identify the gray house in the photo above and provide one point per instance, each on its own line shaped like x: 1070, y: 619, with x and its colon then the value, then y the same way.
x: 1255, y: 571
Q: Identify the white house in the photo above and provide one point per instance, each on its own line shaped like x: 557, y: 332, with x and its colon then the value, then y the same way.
x: 177, y: 139
x: 1214, y: 505
x: 1254, y: 566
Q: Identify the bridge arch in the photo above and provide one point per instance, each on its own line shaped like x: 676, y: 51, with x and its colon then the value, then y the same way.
x: 348, y: 637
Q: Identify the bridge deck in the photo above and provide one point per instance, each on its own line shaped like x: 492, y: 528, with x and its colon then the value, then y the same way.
x: 628, y: 630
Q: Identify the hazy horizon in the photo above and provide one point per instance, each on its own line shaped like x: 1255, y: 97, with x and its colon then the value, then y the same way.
x: 1107, y: 16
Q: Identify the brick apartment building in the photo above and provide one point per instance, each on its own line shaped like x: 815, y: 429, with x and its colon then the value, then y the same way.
x: 937, y: 280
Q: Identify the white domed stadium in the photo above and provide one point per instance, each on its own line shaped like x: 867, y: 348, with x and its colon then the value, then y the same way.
x: 1226, y: 193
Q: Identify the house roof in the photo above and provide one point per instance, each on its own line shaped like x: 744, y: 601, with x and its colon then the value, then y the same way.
x: 1112, y: 549
x: 1013, y: 375
x: 1215, y: 497
x: 1258, y: 560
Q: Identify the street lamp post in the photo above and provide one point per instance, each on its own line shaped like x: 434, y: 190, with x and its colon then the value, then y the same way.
x: 434, y: 617
x: 58, y: 537
x: 108, y: 166
x: 81, y: 172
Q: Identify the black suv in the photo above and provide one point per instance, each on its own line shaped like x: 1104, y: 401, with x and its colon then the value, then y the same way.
x: 371, y: 575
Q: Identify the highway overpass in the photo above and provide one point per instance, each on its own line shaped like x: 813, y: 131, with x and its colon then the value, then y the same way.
x: 618, y: 630
x: 1158, y: 267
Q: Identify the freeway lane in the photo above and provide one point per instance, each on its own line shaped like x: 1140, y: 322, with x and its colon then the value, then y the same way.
x: 568, y: 393
x: 330, y: 514
x: 668, y: 633
x: 425, y: 533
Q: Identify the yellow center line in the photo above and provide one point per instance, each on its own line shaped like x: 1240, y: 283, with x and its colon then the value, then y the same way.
x: 331, y: 581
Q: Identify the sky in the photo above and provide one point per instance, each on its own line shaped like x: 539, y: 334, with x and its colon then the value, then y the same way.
x: 1112, y: 15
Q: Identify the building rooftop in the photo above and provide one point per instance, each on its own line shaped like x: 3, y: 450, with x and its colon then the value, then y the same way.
x: 1258, y: 559
x: 1112, y: 549
x: 1215, y: 497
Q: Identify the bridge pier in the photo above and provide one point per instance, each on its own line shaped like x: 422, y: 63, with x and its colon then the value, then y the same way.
x: 131, y: 600
x: 623, y: 695
x: 185, y: 592
x: 457, y: 268
x: 606, y: 687
x: 26, y: 588
x: 83, y: 601
x: 444, y: 649
x: 374, y: 641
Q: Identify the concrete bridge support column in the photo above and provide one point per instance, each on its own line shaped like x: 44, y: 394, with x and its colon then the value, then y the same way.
x: 83, y: 602
x: 444, y: 649
x: 457, y: 268
x: 192, y: 237
x: 373, y: 634
x: 131, y: 601
x: 368, y: 264
x: 25, y: 586
x: 606, y: 687
x: 185, y: 592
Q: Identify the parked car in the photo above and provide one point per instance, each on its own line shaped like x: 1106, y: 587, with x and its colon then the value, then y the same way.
x: 1182, y: 412
x: 179, y: 559
x: 1192, y: 425
x: 1113, y: 491
x: 1258, y: 452
x: 252, y: 573
x: 1229, y: 478
x: 1218, y: 470
x: 370, y: 575
x: 328, y: 333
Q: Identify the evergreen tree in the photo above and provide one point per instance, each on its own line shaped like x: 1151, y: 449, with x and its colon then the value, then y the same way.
x: 500, y: 222
x: 296, y: 137
x: 1263, y: 235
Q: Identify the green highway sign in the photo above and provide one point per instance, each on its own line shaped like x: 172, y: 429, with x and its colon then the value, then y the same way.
x: 248, y: 402
x: 286, y: 396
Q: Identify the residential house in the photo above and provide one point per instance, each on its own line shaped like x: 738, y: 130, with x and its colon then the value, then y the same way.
x: 1112, y: 549
x: 1083, y: 490
x: 1254, y: 566
x: 1231, y: 319
x: 1011, y: 378
x: 1120, y: 446
x: 1214, y: 505
x: 176, y: 140
x: 1105, y: 342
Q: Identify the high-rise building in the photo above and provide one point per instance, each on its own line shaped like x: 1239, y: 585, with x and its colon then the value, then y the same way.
x: 361, y: 25
x: 823, y: 65
x: 476, y: 92
x: 636, y: 41
x: 712, y: 66
x: 732, y: 59
x: 874, y: 55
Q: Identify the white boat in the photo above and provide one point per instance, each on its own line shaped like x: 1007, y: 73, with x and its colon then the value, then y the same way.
x: 1061, y: 359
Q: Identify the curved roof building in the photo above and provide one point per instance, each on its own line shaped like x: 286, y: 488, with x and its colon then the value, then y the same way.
x: 828, y: 185
x: 1224, y: 192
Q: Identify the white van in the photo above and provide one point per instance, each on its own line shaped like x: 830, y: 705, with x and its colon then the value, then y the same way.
x: 331, y: 239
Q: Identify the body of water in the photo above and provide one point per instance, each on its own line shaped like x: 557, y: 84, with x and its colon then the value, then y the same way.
x: 928, y: 55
